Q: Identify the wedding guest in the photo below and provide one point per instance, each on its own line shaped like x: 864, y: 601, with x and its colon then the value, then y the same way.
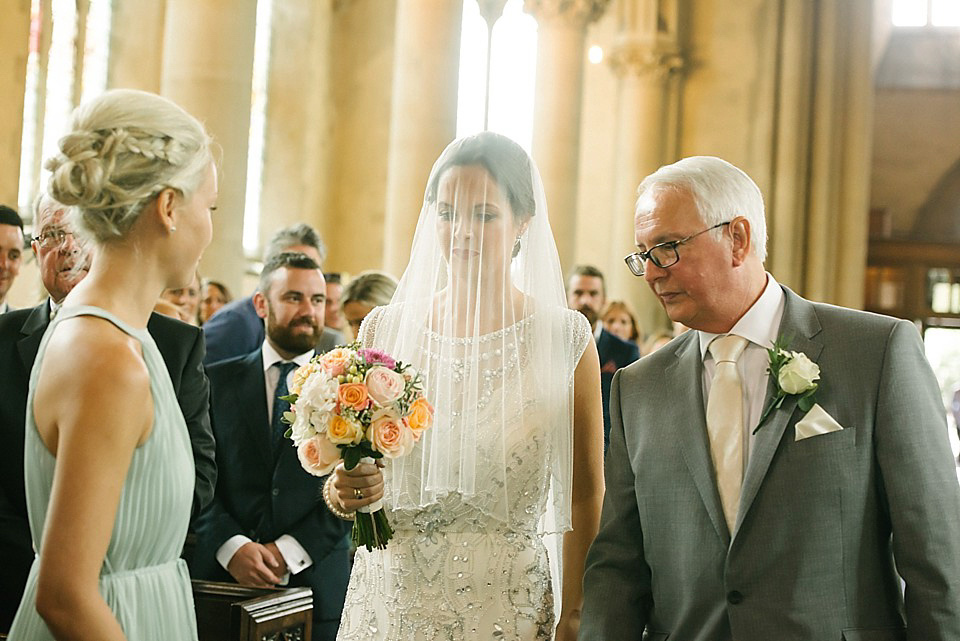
x: 515, y: 452
x: 655, y: 341
x: 108, y: 469
x: 213, y: 296
x: 237, y: 329
x: 333, y: 319
x: 364, y: 292
x: 265, y: 526
x: 186, y: 300
x: 11, y: 252
x: 63, y: 261
x: 619, y: 320
x: 743, y: 505
x: 587, y: 293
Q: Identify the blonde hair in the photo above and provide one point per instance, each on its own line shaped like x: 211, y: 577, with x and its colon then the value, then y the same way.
x: 370, y: 288
x: 123, y: 149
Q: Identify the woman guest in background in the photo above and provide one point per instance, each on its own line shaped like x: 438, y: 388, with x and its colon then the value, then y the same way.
x: 213, y: 296
x: 186, y: 300
x: 108, y: 465
x: 367, y: 290
x: 515, y: 455
x: 619, y: 320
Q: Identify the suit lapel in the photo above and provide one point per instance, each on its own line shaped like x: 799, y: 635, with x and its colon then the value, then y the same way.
x: 801, y: 328
x: 32, y: 332
x: 687, y: 374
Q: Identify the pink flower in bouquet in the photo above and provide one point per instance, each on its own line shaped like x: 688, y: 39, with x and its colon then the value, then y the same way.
x: 420, y: 417
x: 318, y: 455
x: 384, y: 386
x: 336, y: 361
x: 376, y: 357
x: 389, y: 435
x: 353, y: 395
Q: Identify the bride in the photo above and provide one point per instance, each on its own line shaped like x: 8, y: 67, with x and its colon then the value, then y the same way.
x: 514, y: 459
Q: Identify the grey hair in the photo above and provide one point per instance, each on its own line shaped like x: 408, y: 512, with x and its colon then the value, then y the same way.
x: 124, y: 147
x: 720, y: 191
x: 369, y: 288
x: 299, y: 234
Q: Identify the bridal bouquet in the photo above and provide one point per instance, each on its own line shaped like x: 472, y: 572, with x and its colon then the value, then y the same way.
x: 356, y: 405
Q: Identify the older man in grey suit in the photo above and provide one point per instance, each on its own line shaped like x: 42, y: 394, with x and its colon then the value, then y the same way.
x: 718, y: 525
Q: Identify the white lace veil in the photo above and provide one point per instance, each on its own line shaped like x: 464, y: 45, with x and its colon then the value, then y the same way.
x: 481, y: 311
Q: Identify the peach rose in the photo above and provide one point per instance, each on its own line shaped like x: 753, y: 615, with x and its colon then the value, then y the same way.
x: 344, y: 432
x: 420, y: 417
x: 300, y: 376
x: 336, y: 361
x: 353, y: 395
x: 389, y: 435
x: 318, y: 456
x: 383, y: 385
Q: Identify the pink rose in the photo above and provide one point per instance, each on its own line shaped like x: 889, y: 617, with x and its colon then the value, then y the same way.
x: 389, y: 435
x: 383, y: 385
x: 336, y: 361
x: 318, y: 455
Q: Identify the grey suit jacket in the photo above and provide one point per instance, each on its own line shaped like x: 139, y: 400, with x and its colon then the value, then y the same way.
x: 821, y: 520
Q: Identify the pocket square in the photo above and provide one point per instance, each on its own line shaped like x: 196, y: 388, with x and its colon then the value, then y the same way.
x: 815, y: 423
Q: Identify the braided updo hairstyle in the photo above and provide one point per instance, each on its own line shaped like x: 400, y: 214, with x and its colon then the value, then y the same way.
x: 124, y: 148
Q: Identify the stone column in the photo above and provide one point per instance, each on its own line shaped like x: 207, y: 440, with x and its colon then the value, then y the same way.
x: 207, y: 69
x: 14, y: 49
x: 645, y: 66
x: 297, y: 132
x: 423, y: 117
x: 136, y: 44
x: 561, y: 35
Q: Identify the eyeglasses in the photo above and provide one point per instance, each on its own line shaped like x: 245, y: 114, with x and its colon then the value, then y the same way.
x: 52, y: 238
x: 662, y: 255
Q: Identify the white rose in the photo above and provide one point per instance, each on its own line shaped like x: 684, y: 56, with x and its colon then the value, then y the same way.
x: 799, y: 374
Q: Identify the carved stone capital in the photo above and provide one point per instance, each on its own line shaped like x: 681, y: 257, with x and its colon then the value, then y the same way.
x: 644, y: 58
x: 577, y: 13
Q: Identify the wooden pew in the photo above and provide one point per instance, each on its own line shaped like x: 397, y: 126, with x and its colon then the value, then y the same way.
x: 231, y: 612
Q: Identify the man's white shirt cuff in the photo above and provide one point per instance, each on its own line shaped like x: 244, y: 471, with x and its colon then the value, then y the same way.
x: 293, y: 553
x: 226, y: 551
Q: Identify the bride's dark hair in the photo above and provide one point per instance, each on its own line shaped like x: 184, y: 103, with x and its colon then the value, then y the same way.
x: 504, y: 160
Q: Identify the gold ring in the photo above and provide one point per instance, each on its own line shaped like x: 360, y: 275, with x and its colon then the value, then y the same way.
x: 357, y: 492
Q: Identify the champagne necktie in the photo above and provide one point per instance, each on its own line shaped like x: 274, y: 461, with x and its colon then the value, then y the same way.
x: 725, y: 423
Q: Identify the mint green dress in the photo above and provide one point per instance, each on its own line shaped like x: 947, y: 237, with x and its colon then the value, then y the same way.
x: 143, y: 579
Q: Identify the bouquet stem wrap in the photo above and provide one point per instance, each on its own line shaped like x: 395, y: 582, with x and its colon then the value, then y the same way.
x: 371, y: 529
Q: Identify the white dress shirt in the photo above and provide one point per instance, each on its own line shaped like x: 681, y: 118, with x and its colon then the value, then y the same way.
x: 759, y: 325
x: 294, y: 554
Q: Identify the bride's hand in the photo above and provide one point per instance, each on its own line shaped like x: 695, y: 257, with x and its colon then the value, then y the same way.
x: 567, y: 627
x: 363, y: 485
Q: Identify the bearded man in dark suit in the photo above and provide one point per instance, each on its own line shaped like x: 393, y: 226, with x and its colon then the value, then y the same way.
x: 587, y: 293
x: 63, y: 263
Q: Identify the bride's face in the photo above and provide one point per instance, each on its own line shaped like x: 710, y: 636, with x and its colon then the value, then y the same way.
x: 475, y: 223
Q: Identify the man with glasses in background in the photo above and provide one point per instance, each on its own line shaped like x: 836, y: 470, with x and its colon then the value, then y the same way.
x: 11, y: 252
x: 63, y: 262
x: 741, y: 505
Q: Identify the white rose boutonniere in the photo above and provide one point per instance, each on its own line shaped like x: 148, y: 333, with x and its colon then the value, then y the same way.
x: 794, y: 375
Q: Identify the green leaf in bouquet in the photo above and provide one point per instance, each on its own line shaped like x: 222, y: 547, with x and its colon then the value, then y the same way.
x: 288, y: 433
x: 351, y: 456
x: 290, y: 398
x: 289, y: 417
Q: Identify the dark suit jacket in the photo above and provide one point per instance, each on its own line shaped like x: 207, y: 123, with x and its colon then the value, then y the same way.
x: 264, y: 498
x: 236, y: 330
x: 181, y: 346
x: 821, y: 519
x: 615, y: 354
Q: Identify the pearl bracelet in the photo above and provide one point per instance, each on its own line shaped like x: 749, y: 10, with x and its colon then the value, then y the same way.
x: 346, y: 516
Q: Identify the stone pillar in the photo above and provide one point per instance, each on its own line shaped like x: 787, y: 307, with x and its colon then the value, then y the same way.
x: 136, y: 44
x: 14, y: 49
x: 207, y: 69
x: 423, y: 117
x: 297, y: 138
x: 561, y: 35
x: 645, y: 66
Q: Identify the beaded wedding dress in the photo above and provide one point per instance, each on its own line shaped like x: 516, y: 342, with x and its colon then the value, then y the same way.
x: 471, y: 569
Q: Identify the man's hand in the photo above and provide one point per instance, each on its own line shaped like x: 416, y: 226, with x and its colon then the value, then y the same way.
x: 278, y: 555
x: 256, y: 565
